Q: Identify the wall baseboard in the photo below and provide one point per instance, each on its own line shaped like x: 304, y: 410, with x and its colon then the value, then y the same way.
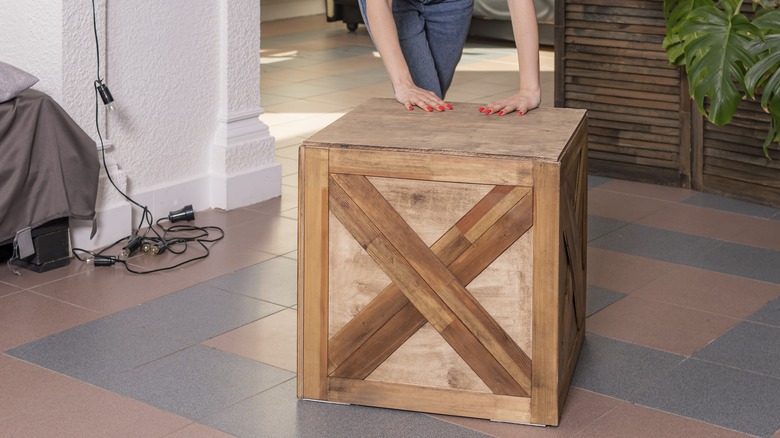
x: 223, y: 192
x: 113, y: 223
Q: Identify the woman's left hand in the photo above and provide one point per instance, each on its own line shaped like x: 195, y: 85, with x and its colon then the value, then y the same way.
x: 522, y: 102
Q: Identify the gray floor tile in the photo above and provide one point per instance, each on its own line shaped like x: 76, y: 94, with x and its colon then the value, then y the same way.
x: 94, y: 351
x: 748, y: 346
x: 696, y: 251
x: 769, y: 314
x: 277, y: 413
x: 197, y: 382
x: 669, y: 246
x: 743, y: 260
x: 600, y: 226
x: 599, y: 298
x: 198, y: 313
x: 619, y: 369
x: 595, y: 181
x: 732, y: 205
x: 274, y: 280
x: 719, y: 395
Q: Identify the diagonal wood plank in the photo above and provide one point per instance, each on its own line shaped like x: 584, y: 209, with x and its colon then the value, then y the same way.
x: 428, y: 284
x: 466, y: 267
x: 451, y: 245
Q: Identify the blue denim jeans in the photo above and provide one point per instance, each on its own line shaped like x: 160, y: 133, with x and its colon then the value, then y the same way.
x: 432, y: 34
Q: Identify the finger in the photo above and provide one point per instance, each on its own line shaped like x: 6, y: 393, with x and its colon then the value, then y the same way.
x: 431, y: 104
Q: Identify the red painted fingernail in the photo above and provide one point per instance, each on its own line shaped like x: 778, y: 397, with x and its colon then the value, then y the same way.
x: 427, y: 108
x: 449, y: 106
x: 488, y: 111
x: 501, y: 113
x: 409, y: 108
x: 441, y: 108
x: 482, y: 109
x: 520, y: 113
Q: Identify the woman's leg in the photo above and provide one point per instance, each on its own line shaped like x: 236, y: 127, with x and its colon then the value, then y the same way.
x: 431, y: 34
x: 446, y: 24
x: 410, y: 24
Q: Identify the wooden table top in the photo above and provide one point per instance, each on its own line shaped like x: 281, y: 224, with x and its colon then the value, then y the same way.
x: 542, y: 134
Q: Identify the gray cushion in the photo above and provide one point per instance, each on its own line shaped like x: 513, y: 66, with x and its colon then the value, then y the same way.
x: 13, y: 81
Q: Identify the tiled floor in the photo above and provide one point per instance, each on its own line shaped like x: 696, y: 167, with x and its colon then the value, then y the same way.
x: 684, y: 302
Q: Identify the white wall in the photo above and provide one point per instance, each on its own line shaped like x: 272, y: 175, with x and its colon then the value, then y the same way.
x: 185, y: 76
x: 279, y: 9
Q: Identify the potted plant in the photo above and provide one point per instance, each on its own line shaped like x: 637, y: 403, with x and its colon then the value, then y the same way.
x: 727, y: 55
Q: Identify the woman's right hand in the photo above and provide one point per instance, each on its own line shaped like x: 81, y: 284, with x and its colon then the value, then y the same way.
x: 411, y: 95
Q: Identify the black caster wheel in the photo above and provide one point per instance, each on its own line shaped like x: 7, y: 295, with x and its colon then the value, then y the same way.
x: 352, y: 26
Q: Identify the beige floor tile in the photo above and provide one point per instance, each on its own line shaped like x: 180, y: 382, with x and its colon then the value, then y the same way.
x: 339, y: 66
x: 29, y: 279
x: 84, y: 410
x: 275, y: 234
x: 652, y: 191
x: 294, y: 25
x: 637, y: 421
x: 289, y: 77
x: 24, y: 386
x: 582, y: 408
x: 222, y: 258
x: 27, y: 316
x: 225, y: 219
x: 271, y: 340
x: 290, y: 180
x: 289, y: 165
x: 290, y: 152
x: 7, y: 289
x: 197, y: 430
x: 275, y: 206
x: 287, y: 141
x: 109, y: 289
x: 699, y: 221
x: 297, y: 91
x: 305, y: 127
x: 659, y: 325
x: 348, y: 98
x: 708, y: 291
x: 762, y: 233
x: 622, y: 206
x: 269, y: 82
x: 307, y: 107
x: 291, y: 214
x: 621, y: 272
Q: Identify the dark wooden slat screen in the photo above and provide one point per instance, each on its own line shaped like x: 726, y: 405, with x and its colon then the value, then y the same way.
x: 642, y: 123
x: 610, y: 62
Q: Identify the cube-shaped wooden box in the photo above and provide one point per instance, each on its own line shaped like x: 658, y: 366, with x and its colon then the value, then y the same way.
x: 442, y: 260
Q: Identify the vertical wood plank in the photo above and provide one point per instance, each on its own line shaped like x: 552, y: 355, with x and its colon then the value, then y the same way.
x: 301, y: 251
x: 313, y: 309
x: 546, y: 300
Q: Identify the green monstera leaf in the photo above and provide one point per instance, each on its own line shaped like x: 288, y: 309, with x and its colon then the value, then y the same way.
x: 764, y: 76
x: 675, y: 13
x: 766, y: 4
x: 716, y: 44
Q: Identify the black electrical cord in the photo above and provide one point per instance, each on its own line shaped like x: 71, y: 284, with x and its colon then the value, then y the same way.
x: 156, y: 243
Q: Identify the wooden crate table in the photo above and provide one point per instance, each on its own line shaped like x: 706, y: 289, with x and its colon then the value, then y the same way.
x: 442, y: 260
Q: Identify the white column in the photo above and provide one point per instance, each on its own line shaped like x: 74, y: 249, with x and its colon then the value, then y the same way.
x: 242, y: 166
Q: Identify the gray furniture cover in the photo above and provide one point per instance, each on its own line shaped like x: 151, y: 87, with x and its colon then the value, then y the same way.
x: 48, y: 165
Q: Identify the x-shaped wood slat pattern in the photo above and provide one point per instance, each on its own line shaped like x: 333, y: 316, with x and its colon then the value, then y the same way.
x: 429, y: 284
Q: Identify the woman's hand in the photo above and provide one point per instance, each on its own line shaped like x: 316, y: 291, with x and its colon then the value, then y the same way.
x: 522, y: 102
x: 411, y: 95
